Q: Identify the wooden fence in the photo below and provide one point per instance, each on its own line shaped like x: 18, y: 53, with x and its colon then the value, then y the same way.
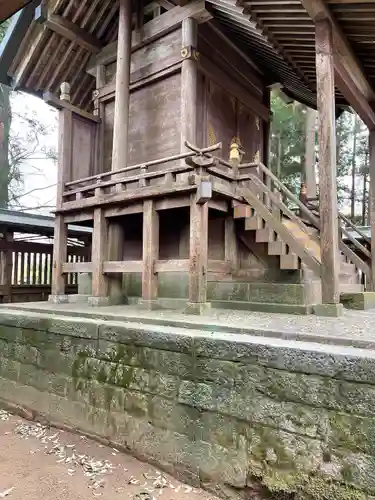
x: 26, y: 270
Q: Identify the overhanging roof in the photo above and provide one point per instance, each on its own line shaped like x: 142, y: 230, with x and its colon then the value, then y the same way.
x: 9, y: 7
x: 277, y: 34
x: 36, y: 224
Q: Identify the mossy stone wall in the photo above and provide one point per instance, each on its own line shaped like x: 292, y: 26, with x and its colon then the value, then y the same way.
x: 289, y: 420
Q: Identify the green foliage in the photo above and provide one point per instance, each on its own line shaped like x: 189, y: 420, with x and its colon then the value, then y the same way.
x: 288, y: 143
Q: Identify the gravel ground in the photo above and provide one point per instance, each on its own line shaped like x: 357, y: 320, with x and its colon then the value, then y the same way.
x: 40, y: 462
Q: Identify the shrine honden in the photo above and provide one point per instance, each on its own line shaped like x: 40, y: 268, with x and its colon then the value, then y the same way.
x: 163, y: 147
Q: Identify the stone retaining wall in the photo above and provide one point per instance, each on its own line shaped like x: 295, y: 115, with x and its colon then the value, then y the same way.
x: 237, y: 413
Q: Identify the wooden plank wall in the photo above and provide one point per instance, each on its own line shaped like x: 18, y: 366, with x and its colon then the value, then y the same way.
x: 230, y: 98
x: 154, y: 102
x: 83, y: 148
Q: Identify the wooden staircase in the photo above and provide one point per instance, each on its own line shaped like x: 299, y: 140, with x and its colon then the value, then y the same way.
x: 267, y: 209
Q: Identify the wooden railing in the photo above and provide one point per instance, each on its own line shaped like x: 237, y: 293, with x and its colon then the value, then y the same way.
x: 271, y: 191
x: 116, y: 181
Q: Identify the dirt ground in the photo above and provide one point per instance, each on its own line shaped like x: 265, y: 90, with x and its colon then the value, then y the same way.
x: 38, y: 462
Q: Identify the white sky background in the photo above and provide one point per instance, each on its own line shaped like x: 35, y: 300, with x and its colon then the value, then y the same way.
x: 39, y: 172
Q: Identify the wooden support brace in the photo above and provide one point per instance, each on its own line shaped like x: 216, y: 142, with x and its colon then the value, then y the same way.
x: 99, y: 254
x: 60, y: 255
x: 150, y: 251
x: 198, y: 252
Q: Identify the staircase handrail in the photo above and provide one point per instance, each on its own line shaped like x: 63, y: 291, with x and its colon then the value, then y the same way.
x: 304, y: 210
x: 355, y: 228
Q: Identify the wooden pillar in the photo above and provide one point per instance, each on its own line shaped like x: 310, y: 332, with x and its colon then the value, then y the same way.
x: 330, y: 268
x: 189, y: 83
x: 99, y: 251
x: 198, y: 256
x: 372, y: 205
x: 266, y: 135
x: 120, y: 149
x: 150, y: 252
x: 60, y: 256
x: 6, y: 262
x: 231, y: 247
x: 60, y: 243
x: 121, y: 115
x: 309, y: 163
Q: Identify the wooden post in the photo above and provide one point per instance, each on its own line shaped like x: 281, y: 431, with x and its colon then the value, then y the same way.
x: 60, y: 255
x: 7, y: 267
x: 121, y: 114
x: 198, y: 257
x: 189, y: 82
x: 120, y: 149
x: 309, y: 164
x: 327, y: 163
x: 372, y: 206
x: 100, y: 245
x: 150, y: 253
x: 60, y: 243
x: 231, y: 247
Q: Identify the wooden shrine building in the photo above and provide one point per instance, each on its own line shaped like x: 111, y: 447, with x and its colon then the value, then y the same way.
x: 164, y: 132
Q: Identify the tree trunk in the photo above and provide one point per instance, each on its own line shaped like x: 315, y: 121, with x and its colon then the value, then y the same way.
x: 5, y: 121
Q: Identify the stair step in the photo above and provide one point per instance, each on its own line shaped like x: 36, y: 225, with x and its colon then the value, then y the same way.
x: 241, y: 211
x: 265, y: 235
x: 253, y: 223
x: 276, y: 248
x: 289, y: 261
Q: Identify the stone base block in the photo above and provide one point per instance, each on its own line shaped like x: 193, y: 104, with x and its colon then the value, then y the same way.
x: 197, y: 307
x: 78, y: 298
x: 361, y: 301
x: 149, y: 305
x: 106, y: 301
x: 58, y: 299
x: 329, y: 310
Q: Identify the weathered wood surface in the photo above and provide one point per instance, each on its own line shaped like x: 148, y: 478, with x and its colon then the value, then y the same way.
x: 99, y: 254
x: 151, y: 58
x: 83, y: 148
x: 154, y: 122
x: 60, y: 254
x: 150, y: 251
x: 372, y: 205
x: 153, y: 30
x: 65, y: 152
x: 198, y: 252
x: 120, y: 143
x: 327, y: 163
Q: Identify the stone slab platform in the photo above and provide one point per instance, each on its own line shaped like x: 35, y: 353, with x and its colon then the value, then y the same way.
x: 354, y: 328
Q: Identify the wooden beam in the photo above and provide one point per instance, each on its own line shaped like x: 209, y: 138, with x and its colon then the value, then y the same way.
x: 172, y: 266
x: 318, y: 10
x: 198, y: 252
x: 372, y: 206
x: 99, y: 254
x: 72, y: 32
x: 123, y: 266
x: 153, y: 30
x: 57, y: 103
x: 352, y: 94
x: 150, y: 251
x: 77, y: 267
x: 329, y: 245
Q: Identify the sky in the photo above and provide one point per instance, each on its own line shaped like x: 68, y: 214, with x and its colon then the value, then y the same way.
x: 37, y: 193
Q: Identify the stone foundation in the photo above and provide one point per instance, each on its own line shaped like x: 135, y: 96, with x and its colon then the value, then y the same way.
x: 235, y: 413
